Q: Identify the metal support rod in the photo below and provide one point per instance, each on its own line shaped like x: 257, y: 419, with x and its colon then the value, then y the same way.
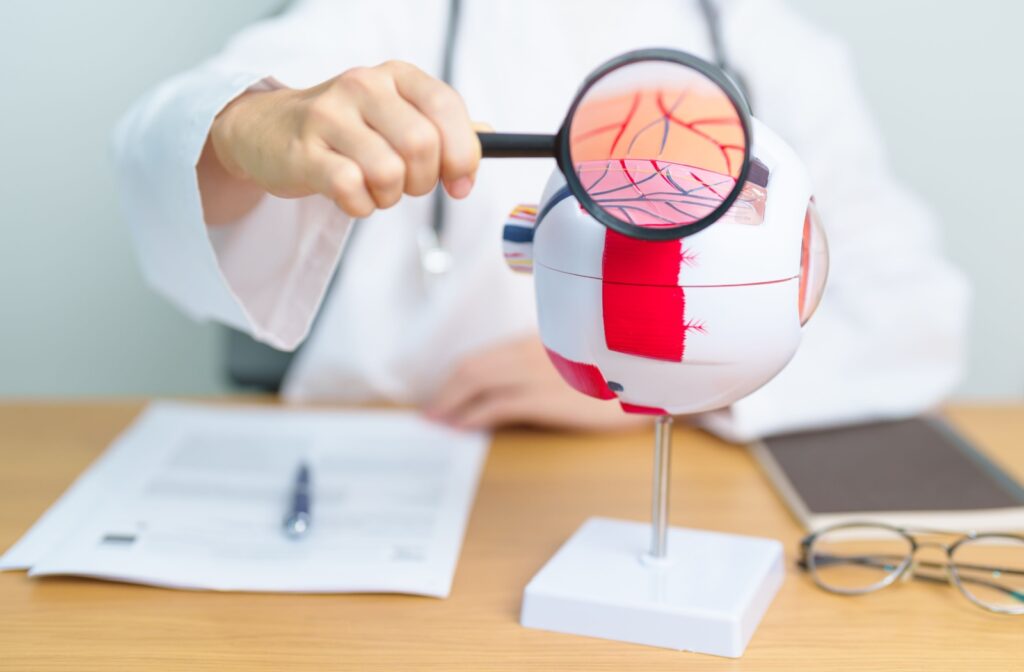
x: 662, y: 472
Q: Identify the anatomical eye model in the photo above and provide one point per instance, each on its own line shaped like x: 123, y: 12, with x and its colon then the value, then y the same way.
x: 677, y: 252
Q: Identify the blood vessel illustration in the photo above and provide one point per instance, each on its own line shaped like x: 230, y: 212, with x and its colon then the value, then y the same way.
x: 628, y: 148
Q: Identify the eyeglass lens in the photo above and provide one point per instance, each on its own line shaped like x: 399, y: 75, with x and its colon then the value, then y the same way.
x: 991, y: 571
x: 858, y: 559
x: 855, y: 559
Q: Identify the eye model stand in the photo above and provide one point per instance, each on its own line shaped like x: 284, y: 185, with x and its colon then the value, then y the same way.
x: 676, y: 588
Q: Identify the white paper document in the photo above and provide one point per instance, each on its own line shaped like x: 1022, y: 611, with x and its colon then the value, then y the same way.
x: 194, y: 496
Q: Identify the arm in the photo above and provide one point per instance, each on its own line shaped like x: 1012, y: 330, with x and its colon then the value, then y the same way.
x: 240, y: 190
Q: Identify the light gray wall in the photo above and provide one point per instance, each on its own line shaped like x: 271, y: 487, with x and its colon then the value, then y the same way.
x: 944, y: 80
x: 75, y: 318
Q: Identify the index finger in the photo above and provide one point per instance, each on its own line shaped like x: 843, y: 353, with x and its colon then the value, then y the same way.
x: 460, y: 146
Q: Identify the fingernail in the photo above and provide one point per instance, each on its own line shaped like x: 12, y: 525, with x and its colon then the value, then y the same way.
x: 461, y: 187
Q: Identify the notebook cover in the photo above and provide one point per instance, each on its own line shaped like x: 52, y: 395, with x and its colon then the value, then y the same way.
x: 916, y: 465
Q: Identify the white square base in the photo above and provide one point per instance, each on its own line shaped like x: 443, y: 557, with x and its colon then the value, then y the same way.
x: 708, y: 596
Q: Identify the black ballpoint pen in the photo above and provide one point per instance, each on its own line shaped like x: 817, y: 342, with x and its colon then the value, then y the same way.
x: 299, y: 518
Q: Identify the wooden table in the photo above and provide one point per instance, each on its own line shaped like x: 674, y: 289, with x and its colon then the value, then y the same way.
x: 536, y: 490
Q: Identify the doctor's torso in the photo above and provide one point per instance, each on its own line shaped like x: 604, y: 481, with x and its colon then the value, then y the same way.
x: 386, y: 330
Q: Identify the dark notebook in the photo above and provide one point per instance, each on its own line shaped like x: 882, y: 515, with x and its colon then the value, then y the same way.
x: 915, y: 473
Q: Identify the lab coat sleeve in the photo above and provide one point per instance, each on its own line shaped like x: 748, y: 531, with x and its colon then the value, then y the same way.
x: 265, y: 274
x: 888, y: 339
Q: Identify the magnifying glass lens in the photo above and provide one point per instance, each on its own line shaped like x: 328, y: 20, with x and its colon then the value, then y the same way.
x: 657, y: 145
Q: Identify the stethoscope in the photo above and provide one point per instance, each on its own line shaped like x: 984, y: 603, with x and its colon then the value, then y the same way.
x: 435, y: 260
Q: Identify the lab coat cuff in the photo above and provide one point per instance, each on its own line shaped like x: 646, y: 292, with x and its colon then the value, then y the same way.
x: 157, y: 145
x: 265, y: 274
x: 277, y: 261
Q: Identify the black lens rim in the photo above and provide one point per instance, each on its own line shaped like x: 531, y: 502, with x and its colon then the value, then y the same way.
x: 809, y: 542
x: 959, y: 580
x: 712, y: 72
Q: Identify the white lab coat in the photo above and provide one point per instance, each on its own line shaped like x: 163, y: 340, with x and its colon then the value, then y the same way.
x: 888, y: 339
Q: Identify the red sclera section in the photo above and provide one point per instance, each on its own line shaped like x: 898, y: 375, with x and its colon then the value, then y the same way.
x: 641, y: 262
x: 585, y: 378
x: 642, y: 303
x: 642, y: 410
x: 644, y: 320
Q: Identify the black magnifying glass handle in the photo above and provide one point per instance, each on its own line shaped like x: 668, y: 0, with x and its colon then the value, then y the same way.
x: 517, y: 145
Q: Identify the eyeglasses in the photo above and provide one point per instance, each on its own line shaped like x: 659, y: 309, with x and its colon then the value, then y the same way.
x: 860, y: 558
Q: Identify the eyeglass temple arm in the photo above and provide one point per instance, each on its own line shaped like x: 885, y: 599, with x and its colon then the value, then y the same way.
x: 871, y: 561
x: 966, y: 579
x: 517, y: 145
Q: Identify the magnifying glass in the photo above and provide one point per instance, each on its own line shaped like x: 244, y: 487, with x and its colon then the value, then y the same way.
x: 656, y: 144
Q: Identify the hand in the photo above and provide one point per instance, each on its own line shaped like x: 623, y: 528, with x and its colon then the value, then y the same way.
x: 362, y: 139
x: 514, y: 383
